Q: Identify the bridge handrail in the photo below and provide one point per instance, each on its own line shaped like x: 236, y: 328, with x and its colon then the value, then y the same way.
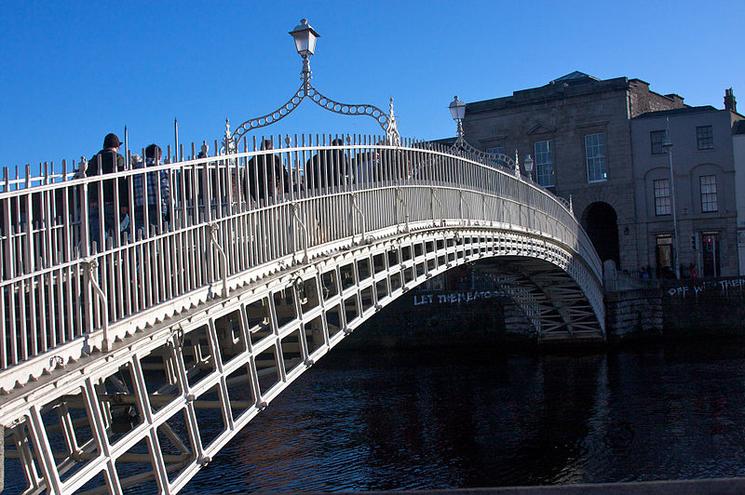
x: 47, y: 230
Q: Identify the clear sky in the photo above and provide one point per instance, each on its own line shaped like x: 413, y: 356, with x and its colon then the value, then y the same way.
x: 71, y: 71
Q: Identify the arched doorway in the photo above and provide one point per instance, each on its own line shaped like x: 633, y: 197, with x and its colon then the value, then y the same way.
x: 601, y: 223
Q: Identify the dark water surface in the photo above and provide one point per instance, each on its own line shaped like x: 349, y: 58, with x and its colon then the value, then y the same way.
x: 447, y: 419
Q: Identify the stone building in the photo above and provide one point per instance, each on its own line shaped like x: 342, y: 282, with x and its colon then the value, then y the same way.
x: 590, y: 139
x: 703, y: 186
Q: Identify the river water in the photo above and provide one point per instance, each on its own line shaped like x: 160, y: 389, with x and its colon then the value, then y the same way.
x: 448, y: 418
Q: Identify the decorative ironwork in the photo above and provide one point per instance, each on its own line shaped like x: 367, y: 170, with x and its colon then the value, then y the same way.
x: 307, y: 90
x: 165, y: 331
x: 386, y: 122
x: 463, y: 147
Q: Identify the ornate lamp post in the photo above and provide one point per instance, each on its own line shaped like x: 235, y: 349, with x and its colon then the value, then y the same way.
x: 529, y: 166
x: 305, y: 38
x: 458, y: 112
x: 457, y: 109
x: 668, y: 145
x: 305, y: 43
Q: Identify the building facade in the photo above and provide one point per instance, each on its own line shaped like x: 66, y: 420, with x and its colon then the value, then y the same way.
x: 599, y: 142
x: 577, y: 129
x: 701, y: 190
x: 738, y: 149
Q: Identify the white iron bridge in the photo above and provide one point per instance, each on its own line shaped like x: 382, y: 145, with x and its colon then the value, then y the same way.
x: 150, y: 314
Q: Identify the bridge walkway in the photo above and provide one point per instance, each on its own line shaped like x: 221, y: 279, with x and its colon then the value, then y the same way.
x: 117, y: 361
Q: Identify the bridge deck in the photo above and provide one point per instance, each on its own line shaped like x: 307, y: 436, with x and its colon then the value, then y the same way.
x: 165, y: 344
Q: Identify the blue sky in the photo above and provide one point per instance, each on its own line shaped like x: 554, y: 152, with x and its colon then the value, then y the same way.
x: 73, y: 71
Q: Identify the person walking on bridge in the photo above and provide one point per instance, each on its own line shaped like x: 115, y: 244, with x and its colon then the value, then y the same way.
x: 329, y: 168
x: 107, y: 161
x: 266, y: 174
x: 148, y: 187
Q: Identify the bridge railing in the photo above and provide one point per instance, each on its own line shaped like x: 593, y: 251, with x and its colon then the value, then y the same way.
x: 81, y: 252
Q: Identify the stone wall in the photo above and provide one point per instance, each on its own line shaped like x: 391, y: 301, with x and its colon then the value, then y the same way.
x: 677, y: 310
x: 710, y: 307
x: 444, y: 319
x: 633, y: 314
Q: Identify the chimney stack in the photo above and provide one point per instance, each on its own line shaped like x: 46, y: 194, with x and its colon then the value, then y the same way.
x: 729, y: 100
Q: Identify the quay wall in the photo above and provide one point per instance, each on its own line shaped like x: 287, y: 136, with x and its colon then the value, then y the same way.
x: 634, y: 314
x: 424, y: 318
x: 450, y: 315
x: 707, y: 307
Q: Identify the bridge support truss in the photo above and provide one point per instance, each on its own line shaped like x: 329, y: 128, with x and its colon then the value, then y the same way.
x: 135, y: 363
x: 165, y: 400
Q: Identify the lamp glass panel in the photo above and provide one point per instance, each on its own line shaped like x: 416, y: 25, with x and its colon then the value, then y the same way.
x: 301, y: 41
x: 311, y: 43
x: 458, y: 110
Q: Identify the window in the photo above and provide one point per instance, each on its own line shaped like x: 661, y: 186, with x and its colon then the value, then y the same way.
x: 710, y: 254
x: 657, y: 138
x: 664, y: 254
x: 595, y: 157
x: 662, y: 200
x: 708, y: 193
x: 544, y: 164
x: 704, y: 137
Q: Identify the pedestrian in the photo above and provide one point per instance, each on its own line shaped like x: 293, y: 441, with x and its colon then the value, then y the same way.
x: 266, y: 174
x: 366, y: 167
x: 152, y: 190
x: 692, y: 272
x: 330, y: 167
x: 104, y: 203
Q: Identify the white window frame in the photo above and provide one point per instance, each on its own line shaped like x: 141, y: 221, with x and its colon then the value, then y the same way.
x: 708, y: 129
x: 662, y: 197
x: 544, y: 163
x: 708, y: 192
x: 596, y: 157
x: 652, y: 143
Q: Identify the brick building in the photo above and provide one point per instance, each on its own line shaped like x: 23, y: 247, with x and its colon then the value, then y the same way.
x: 578, y: 129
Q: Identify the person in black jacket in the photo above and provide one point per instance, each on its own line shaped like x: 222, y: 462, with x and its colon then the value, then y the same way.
x: 266, y: 174
x: 329, y: 168
x: 107, y: 161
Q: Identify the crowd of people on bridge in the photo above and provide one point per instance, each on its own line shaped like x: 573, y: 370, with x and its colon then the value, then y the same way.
x: 142, y: 202
x: 136, y: 204
x: 151, y: 191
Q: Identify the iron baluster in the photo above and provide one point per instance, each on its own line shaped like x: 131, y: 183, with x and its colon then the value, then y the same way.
x: 296, y: 216
x: 89, y: 267
x: 214, y: 228
x: 356, y: 208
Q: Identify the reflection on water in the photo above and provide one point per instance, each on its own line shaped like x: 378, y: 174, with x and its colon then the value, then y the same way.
x: 445, y: 419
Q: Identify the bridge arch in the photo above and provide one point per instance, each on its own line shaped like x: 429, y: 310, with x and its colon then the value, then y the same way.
x: 305, y: 270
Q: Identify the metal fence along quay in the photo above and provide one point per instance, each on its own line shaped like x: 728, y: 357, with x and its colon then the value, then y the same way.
x: 217, y: 271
